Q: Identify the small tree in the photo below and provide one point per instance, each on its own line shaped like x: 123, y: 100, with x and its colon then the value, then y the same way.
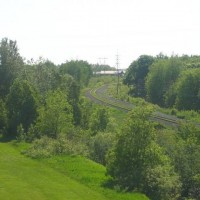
x: 55, y: 116
x: 100, y: 144
x: 99, y: 120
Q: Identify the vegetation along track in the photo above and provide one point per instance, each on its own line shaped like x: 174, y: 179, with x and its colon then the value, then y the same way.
x: 99, y: 95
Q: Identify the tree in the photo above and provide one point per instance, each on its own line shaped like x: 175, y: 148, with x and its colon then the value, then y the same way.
x: 99, y: 145
x: 136, y: 74
x: 10, y: 64
x: 72, y: 90
x: 99, y: 120
x: 161, y: 77
x: 80, y: 70
x: 55, y: 116
x: 43, y: 74
x: 188, y: 90
x: 99, y: 67
x: 3, y: 117
x: 22, y: 105
x: 183, y: 147
x: 136, y: 156
x: 186, y: 159
x: 86, y: 112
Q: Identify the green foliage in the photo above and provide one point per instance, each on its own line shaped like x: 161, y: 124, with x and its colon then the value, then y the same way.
x: 183, y: 147
x: 99, y: 120
x: 21, y: 135
x: 10, y: 64
x: 188, y: 90
x: 160, y: 79
x: 47, y: 147
x: 90, y: 174
x: 136, y: 74
x: 43, y: 74
x: 187, y: 164
x: 86, y: 112
x: 70, y: 87
x: 80, y: 70
x: 3, y: 117
x: 163, y: 183
x: 136, y: 157
x: 22, y: 105
x: 127, y: 159
x: 55, y: 116
x: 99, y: 146
x: 98, y: 68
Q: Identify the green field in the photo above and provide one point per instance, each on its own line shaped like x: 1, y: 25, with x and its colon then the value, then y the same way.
x: 59, y: 178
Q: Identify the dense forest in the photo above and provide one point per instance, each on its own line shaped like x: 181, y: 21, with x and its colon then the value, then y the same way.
x: 44, y: 104
x: 167, y: 81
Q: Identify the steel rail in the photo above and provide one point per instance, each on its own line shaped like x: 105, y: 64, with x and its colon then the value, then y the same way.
x: 124, y: 108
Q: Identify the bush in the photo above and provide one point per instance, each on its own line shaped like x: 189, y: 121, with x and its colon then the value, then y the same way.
x: 47, y: 147
x: 99, y: 145
x: 163, y: 183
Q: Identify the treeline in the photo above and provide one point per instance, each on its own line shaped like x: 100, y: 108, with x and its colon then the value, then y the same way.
x: 41, y: 103
x: 38, y: 96
x: 172, y: 82
x: 100, y: 67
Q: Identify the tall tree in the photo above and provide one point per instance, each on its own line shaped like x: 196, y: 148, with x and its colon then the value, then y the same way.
x: 10, y: 64
x: 136, y: 74
x: 136, y: 158
x: 22, y: 105
x: 72, y: 90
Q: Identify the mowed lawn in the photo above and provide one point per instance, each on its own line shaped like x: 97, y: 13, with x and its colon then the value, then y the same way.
x: 57, y: 178
x: 24, y: 178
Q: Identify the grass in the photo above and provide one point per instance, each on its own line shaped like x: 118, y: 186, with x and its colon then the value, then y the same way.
x: 23, y: 178
x: 57, y: 178
x: 90, y: 174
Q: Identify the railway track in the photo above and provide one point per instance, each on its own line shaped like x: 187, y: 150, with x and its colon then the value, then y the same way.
x: 99, y: 96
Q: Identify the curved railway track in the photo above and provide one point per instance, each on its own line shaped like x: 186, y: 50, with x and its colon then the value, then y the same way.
x: 99, y: 96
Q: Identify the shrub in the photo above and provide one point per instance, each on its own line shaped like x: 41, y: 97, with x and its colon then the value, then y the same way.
x: 99, y: 145
x: 47, y: 147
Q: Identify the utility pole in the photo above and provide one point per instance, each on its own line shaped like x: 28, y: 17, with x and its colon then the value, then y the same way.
x: 117, y: 65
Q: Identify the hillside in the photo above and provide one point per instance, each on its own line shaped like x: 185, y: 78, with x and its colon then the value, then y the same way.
x: 25, y: 178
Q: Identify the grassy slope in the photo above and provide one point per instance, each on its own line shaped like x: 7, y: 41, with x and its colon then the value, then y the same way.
x: 23, y: 178
x: 91, y: 174
x: 59, y: 178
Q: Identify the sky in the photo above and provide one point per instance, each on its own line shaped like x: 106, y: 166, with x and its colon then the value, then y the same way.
x: 61, y: 30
